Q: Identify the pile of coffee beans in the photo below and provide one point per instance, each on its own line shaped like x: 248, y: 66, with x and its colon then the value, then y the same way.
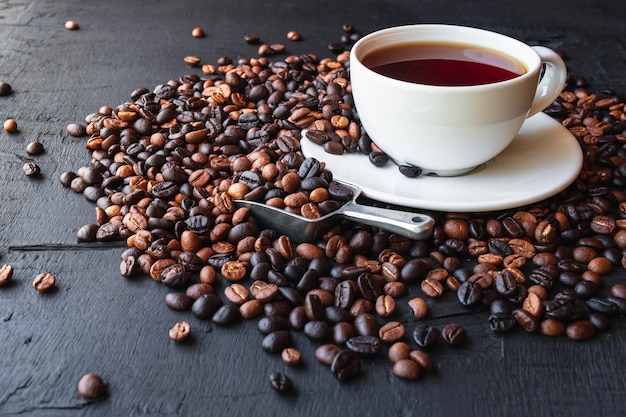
x: 167, y: 165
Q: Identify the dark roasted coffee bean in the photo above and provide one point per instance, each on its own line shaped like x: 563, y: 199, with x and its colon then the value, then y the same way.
x: 600, y: 321
x: 346, y: 365
x: 365, y: 345
x: 469, y: 293
x: 318, y: 330
x: 501, y: 322
x: 453, y: 334
x: 178, y: 301
x: 205, y: 306
x: 505, y: 283
x: 602, y: 305
x: 5, y: 89
x: 226, y: 314
x: 280, y: 383
x: 425, y: 335
x: 175, y: 276
x: 378, y: 159
x: 272, y: 323
x: 410, y: 171
x: 276, y: 341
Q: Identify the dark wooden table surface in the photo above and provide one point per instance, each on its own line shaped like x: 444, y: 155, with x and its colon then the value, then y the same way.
x: 98, y: 321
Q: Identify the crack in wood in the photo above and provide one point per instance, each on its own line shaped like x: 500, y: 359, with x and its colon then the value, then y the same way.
x: 54, y: 247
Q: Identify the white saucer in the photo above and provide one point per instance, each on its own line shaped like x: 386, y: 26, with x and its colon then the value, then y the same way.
x: 541, y: 161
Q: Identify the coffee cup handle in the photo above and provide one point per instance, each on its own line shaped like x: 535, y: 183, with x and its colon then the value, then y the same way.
x: 552, y: 80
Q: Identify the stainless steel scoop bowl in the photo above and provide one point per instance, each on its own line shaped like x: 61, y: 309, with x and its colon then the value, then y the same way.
x: 302, y: 229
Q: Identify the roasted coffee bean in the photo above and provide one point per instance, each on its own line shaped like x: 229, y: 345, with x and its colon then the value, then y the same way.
x: 175, y: 276
x: 580, y: 330
x: 365, y: 345
x: 425, y: 335
x: 226, y: 314
x: 422, y: 358
x: 276, y: 341
x: 602, y: 305
x: 205, y: 306
x: 526, y: 320
x: 291, y: 356
x: 346, y: 365
x: 600, y: 321
x: 366, y: 325
x: 5, y: 89
x: 407, y: 369
x: 326, y: 353
x: 318, y: 330
x: 398, y: 351
x: 552, y: 327
x: 453, y: 334
x: 180, y: 331
x: 270, y: 324
x: 280, y: 383
x: 178, y: 301
x: 469, y: 293
x: 31, y: 169
x: 92, y: 386
x: 6, y: 273
x: 419, y: 306
x: 44, y: 282
x: 501, y: 322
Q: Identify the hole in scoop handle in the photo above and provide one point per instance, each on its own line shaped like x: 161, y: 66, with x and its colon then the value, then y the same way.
x: 552, y: 81
x: 411, y: 225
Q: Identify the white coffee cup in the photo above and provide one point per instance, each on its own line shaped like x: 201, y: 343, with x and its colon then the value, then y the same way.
x: 450, y: 130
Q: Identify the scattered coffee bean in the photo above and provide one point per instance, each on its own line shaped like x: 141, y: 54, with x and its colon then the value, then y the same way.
x: 280, y: 382
x: 91, y: 386
x: 180, y: 332
x: 10, y: 126
x: 6, y: 273
x: 5, y: 89
x: 44, y: 282
x: 197, y: 32
x: 31, y: 169
x: 294, y: 36
x: 76, y: 130
x: 71, y: 25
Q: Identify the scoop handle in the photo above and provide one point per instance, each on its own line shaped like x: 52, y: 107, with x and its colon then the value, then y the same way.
x: 412, y: 225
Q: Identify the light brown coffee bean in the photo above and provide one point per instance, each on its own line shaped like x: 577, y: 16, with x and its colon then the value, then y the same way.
x: 419, y: 307
x: 422, y: 358
x: 236, y: 294
x: 6, y: 273
x: 180, y: 331
x: 385, y: 306
x: 431, y: 288
x: 44, y: 282
x: 263, y: 291
x: 291, y: 356
x: 398, y: 351
x: 407, y: 369
x: 391, y: 332
x: 251, y: 309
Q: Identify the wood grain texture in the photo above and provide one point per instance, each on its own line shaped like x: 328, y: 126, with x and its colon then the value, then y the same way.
x: 98, y: 321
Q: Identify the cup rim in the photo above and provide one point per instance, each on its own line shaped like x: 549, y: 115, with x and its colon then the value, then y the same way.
x: 531, y: 67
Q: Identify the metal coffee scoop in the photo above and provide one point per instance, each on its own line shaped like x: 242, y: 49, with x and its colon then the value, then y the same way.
x: 302, y: 229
